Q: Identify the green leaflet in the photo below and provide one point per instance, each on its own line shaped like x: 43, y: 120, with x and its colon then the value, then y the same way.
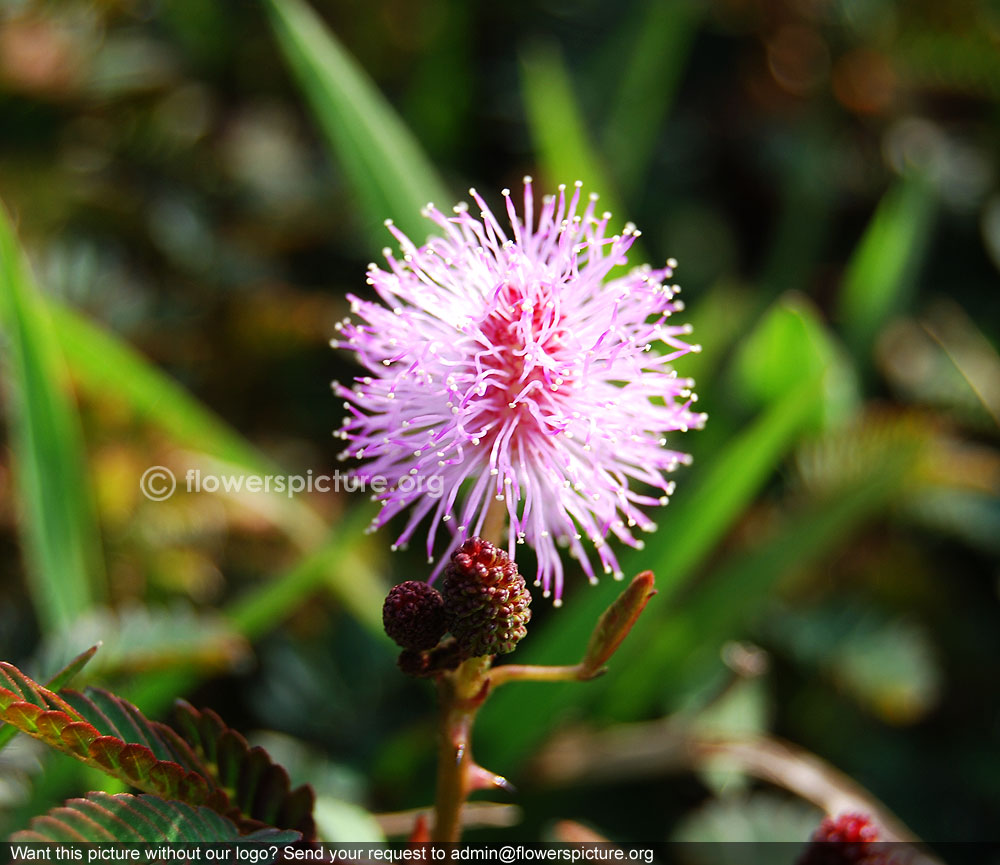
x: 63, y: 677
x: 257, y: 786
x: 149, y: 819
x: 105, y: 732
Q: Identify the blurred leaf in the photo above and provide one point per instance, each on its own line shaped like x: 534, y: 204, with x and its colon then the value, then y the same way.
x: 789, y: 342
x: 337, y: 682
x: 58, y: 526
x: 964, y: 59
x: 201, y: 27
x: 106, y: 363
x: 130, y: 64
x: 951, y: 485
x: 743, y: 709
x: 138, y: 639
x: 309, y: 763
x: 658, y: 43
x: 884, y: 264
x: 724, y: 314
x: 989, y: 225
x: 754, y: 820
x: 150, y: 819
x: 891, y: 669
x: 338, y: 821
x: 697, y: 519
x: 886, y: 665
x: 343, y: 565
x: 702, y: 511
x: 972, y: 354
x: 851, y: 454
x: 971, y: 516
x: 379, y: 156
x: 786, y: 341
x: 557, y: 128
x: 442, y: 66
x: 63, y: 677
x: 912, y: 356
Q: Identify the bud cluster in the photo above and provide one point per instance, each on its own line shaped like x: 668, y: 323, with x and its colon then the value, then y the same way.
x: 484, y: 603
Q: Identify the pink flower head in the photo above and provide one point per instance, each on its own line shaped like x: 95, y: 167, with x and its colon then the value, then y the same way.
x: 517, y: 365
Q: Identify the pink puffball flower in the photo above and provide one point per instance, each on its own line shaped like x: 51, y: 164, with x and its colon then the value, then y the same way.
x: 519, y: 365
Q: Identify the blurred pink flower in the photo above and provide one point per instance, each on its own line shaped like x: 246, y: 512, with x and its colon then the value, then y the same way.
x: 517, y: 365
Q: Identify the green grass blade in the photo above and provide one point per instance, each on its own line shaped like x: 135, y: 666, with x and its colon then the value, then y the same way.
x: 658, y: 44
x: 557, y: 127
x: 699, y: 519
x: 68, y: 673
x: 391, y: 174
x: 58, y: 523
x: 882, y: 268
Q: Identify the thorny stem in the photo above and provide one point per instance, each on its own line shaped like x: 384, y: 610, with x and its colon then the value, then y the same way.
x: 462, y: 693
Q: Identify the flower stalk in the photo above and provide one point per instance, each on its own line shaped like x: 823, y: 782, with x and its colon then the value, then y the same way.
x: 461, y: 692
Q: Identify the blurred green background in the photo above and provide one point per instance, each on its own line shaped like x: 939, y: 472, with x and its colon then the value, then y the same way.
x: 195, y: 186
